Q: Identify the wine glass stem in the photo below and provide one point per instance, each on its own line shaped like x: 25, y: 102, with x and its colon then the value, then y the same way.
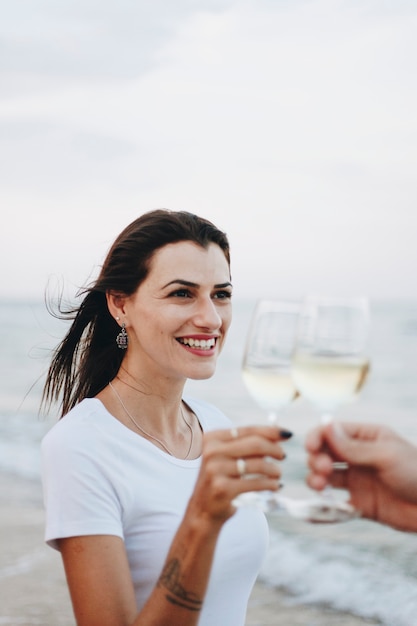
x: 327, y: 418
x: 272, y: 418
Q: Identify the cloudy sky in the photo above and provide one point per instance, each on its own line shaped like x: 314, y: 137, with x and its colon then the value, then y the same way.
x: 290, y: 123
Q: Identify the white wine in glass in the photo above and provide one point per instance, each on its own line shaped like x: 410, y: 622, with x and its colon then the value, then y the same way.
x: 329, y: 381
x: 330, y: 366
x: 266, y: 367
x: 266, y: 370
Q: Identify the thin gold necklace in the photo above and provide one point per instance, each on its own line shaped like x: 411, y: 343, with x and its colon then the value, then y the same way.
x: 142, y: 430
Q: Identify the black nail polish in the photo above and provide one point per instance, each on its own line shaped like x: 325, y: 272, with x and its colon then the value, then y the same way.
x: 285, y: 434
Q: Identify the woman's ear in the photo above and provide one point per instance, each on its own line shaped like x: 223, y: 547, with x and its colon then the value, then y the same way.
x: 116, y: 304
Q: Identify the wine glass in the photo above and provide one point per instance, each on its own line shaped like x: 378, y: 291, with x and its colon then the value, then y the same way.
x: 266, y: 371
x: 330, y: 366
x: 266, y: 367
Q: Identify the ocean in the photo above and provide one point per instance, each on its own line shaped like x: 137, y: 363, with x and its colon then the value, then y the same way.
x: 359, y: 566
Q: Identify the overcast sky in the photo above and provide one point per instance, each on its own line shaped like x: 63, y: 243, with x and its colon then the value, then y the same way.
x: 292, y: 124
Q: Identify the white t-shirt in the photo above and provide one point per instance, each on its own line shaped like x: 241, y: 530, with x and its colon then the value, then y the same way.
x: 100, y: 477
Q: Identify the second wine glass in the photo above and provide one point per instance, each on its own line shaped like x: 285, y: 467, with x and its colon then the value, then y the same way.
x: 330, y: 366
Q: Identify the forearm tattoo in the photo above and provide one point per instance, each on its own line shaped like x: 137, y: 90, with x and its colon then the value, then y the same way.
x: 170, y: 579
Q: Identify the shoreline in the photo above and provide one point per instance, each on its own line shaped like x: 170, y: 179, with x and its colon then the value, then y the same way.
x: 33, y: 583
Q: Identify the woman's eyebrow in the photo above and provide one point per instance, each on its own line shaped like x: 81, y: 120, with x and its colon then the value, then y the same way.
x: 180, y: 281
x: 223, y: 285
x: 188, y: 283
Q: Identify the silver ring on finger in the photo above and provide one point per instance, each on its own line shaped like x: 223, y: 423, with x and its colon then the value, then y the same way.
x: 241, y: 466
x: 340, y: 466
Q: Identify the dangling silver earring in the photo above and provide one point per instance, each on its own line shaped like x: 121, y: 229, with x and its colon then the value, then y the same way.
x: 122, y: 338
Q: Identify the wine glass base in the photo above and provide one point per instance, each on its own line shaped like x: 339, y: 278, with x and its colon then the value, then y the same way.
x: 325, y: 510
x: 317, y: 510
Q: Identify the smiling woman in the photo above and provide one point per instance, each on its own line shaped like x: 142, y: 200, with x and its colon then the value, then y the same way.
x: 139, y: 481
x: 182, y: 309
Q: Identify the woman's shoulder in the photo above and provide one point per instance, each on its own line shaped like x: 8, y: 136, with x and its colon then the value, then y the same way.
x: 209, y: 415
x: 75, y: 424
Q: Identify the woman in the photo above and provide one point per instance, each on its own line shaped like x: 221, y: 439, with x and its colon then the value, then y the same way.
x: 139, y: 482
x: 382, y: 470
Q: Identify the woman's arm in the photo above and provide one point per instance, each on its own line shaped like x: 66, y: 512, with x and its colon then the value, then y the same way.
x: 97, y: 567
x: 101, y: 587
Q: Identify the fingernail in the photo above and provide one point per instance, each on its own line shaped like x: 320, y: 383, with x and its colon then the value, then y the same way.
x: 285, y: 434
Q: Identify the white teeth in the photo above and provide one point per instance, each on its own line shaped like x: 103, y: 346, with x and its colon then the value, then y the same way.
x: 203, y: 344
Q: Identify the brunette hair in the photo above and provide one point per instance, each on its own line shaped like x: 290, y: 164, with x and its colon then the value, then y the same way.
x: 88, y: 357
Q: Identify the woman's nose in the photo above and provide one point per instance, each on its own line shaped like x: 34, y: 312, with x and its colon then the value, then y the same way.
x: 207, y: 315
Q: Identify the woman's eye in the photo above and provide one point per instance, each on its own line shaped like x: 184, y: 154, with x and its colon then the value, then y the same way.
x: 181, y: 293
x: 223, y: 295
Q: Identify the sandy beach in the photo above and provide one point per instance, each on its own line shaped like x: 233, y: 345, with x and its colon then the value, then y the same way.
x: 32, y: 583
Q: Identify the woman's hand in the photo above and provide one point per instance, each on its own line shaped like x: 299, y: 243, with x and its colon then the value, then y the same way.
x: 236, y: 461
x: 381, y: 475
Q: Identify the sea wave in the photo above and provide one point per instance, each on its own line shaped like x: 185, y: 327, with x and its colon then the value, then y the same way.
x: 348, y: 577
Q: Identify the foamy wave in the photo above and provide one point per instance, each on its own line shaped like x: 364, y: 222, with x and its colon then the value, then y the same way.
x: 361, y: 582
